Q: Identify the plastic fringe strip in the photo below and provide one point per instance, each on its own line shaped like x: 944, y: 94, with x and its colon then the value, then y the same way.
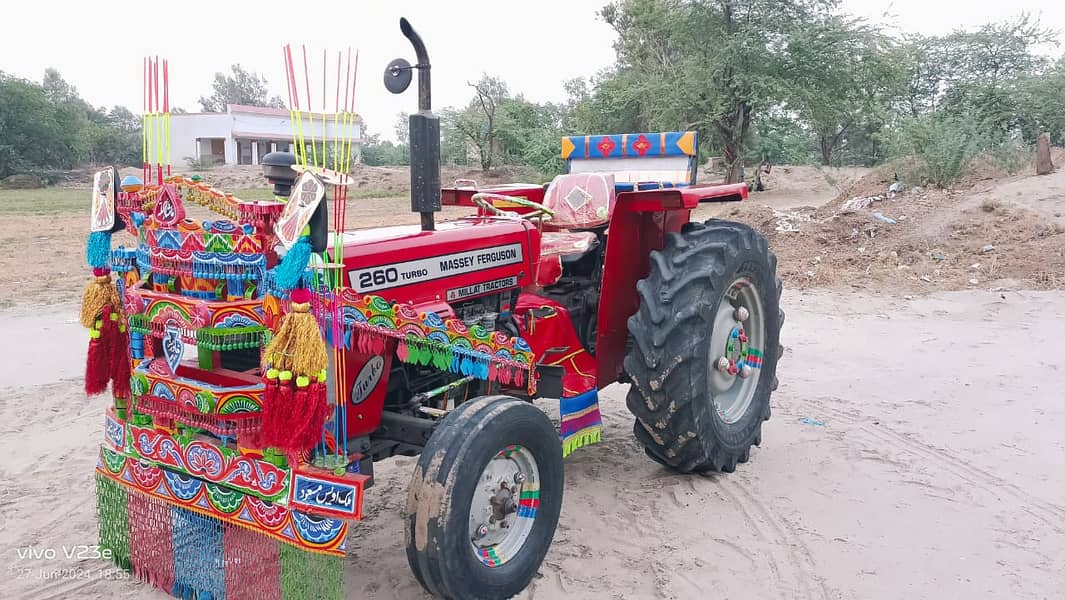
x: 197, y: 554
x: 219, y: 425
x: 582, y: 423
x: 450, y: 357
x: 151, y: 544
x: 309, y: 575
x: 113, y: 518
x: 252, y: 565
x: 586, y: 437
x: 190, y: 555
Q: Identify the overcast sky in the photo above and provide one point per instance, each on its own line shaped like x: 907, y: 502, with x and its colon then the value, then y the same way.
x: 533, y: 45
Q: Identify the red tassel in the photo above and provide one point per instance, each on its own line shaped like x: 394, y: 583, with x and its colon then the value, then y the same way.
x: 266, y: 422
x: 120, y: 366
x: 98, y: 356
x: 318, y: 410
x: 291, y: 438
x: 277, y: 421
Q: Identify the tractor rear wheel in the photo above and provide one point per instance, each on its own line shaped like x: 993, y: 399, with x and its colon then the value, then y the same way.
x: 706, y: 339
x: 484, y: 500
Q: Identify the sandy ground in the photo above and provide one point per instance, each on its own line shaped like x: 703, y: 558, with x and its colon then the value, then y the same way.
x: 914, y: 449
x: 926, y: 465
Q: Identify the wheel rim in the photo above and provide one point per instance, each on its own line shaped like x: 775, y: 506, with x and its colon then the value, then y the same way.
x: 504, y: 505
x: 736, y: 345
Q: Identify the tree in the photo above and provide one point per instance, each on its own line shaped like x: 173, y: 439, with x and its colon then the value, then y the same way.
x: 29, y: 133
x: 48, y: 126
x: 675, y: 80
x: 987, y: 69
x: 477, y: 121
x: 402, y: 128
x: 242, y: 87
x: 56, y: 89
x: 842, y: 75
x: 1043, y: 97
x: 377, y: 153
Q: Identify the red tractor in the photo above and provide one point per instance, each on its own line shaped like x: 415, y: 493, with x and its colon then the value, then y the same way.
x: 598, y: 277
x: 607, y: 279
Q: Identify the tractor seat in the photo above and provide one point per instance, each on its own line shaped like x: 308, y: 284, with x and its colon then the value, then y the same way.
x: 567, y: 244
x: 579, y: 201
x: 558, y: 247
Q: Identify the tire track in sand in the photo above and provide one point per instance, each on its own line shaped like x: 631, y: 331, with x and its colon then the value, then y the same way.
x: 789, y: 558
x: 1000, y: 489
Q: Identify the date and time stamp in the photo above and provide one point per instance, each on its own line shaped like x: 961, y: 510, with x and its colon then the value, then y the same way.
x: 73, y: 562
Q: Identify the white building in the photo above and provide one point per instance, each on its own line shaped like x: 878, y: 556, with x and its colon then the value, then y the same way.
x: 243, y: 134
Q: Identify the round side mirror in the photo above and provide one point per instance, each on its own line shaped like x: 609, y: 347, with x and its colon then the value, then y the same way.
x: 398, y: 76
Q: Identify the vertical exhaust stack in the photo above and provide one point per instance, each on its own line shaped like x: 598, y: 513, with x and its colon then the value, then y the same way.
x: 277, y: 168
x: 424, y: 129
x: 278, y: 171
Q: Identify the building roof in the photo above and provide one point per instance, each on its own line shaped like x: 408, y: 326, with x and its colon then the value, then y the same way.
x: 259, y: 110
x: 285, y: 137
x: 274, y: 112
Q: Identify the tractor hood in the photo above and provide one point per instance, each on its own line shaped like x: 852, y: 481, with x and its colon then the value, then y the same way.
x: 458, y: 260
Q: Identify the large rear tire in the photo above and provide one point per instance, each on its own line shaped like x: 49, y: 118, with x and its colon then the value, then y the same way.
x: 484, y: 500
x: 706, y: 343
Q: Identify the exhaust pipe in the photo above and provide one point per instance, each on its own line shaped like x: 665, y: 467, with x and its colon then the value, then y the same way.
x: 424, y: 129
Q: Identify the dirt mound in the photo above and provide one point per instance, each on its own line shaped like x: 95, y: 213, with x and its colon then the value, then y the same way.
x: 1007, y: 233
x: 21, y: 182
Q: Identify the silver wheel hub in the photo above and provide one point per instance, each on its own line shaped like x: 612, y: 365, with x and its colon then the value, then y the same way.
x: 504, y: 506
x: 736, y: 350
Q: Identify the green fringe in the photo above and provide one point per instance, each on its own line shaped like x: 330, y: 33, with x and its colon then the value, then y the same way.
x: 230, y: 338
x: 584, y: 437
x: 113, y: 517
x: 140, y: 323
x: 309, y: 575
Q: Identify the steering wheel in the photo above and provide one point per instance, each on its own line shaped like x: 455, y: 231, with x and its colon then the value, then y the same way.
x: 485, y: 199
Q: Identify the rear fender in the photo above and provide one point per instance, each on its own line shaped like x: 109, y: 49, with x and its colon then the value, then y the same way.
x: 638, y: 225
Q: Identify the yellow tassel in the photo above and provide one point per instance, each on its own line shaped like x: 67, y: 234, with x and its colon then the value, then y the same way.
x: 297, y: 346
x: 98, y: 294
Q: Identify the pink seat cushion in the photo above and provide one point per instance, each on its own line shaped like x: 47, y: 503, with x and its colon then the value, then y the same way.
x: 580, y: 200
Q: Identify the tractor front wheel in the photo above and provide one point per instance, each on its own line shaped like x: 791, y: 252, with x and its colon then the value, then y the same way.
x: 706, y: 340
x: 484, y: 500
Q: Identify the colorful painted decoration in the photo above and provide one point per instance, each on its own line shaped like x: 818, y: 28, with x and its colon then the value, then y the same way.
x: 426, y: 339
x: 210, y: 463
x: 307, y: 192
x: 317, y: 534
x: 103, y: 200
x: 173, y: 347
x: 169, y: 210
x: 104, y: 194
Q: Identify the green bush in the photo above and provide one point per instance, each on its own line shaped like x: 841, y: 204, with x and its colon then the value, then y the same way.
x: 941, y: 148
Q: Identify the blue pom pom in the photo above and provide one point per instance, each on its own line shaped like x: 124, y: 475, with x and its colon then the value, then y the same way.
x: 138, y: 219
x: 288, y: 274
x: 98, y: 250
